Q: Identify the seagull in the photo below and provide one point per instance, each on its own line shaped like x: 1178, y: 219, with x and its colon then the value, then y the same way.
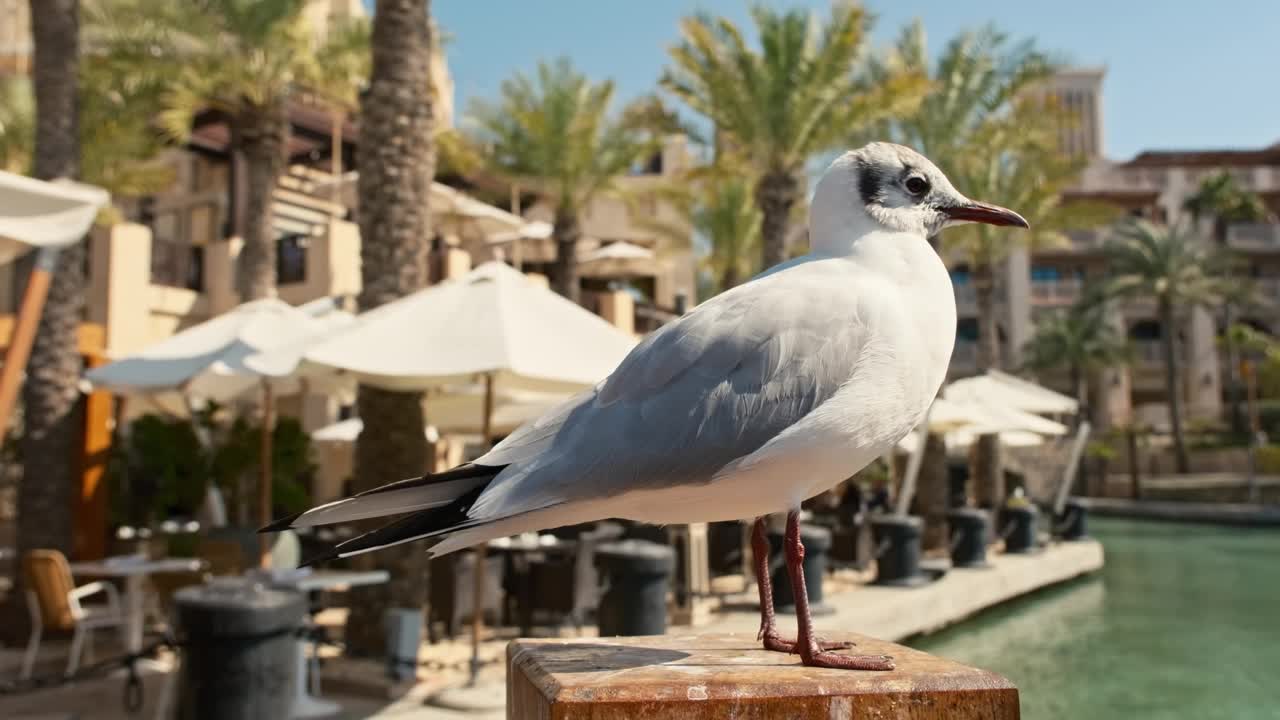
x: 757, y: 399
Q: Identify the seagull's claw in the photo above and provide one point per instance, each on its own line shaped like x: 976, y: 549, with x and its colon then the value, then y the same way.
x: 777, y: 643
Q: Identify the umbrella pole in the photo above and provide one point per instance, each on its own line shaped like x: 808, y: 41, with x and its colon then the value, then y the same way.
x: 908, y: 489
x: 24, y: 333
x: 264, y: 480
x: 477, y: 605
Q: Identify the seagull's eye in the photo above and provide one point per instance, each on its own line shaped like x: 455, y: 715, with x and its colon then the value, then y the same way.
x: 917, y: 185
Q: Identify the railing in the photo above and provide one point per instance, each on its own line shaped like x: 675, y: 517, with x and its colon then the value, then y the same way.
x: 1148, y: 352
x: 966, y: 294
x: 1254, y: 235
x: 1055, y: 292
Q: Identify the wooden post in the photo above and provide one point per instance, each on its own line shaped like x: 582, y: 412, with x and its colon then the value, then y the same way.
x: 265, y: 472
x: 709, y: 677
x: 90, y: 527
x: 24, y: 333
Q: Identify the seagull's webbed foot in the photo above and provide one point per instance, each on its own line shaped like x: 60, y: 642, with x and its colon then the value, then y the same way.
x: 777, y: 643
x: 846, y: 662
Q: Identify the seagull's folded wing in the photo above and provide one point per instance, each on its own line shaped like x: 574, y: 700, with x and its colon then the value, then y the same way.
x: 696, y: 395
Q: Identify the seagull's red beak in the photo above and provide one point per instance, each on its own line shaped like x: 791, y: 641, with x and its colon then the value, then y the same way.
x: 981, y: 212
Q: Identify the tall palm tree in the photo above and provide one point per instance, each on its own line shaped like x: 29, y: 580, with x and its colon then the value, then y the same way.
x: 802, y: 93
x: 1170, y: 266
x: 1221, y: 198
x: 552, y: 134
x: 1079, y: 339
x: 244, y: 60
x: 396, y: 164
x: 49, y: 395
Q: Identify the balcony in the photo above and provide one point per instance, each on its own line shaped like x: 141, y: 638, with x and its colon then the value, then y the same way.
x: 1055, y: 293
x: 1254, y: 236
x: 1148, y: 353
x: 964, y: 358
x: 966, y: 296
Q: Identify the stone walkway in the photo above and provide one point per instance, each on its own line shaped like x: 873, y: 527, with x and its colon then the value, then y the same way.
x: 886, y: 613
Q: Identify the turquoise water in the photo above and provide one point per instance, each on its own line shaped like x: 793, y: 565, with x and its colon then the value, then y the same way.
x: 1183, y: 623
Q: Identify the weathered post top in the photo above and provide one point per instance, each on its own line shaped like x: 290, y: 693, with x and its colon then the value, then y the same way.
x: 706, y: 677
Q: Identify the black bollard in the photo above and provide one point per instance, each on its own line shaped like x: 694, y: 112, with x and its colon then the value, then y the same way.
x: 239, y: 653
x: 1019, y: 529
x: 897, y: 547
x: 1073, y: 525
x: 970, y: 530
x: 636, y: 574
x: 817, y: 543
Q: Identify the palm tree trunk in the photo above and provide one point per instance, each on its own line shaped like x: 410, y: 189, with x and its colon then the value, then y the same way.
x: 1168, y: 338
x: 396, y: 164
x: 51, y: 425
x: 1234, y: 394
x: 776, y: 194
x: 567, y: 231
x: 988, y: 466
x: 1080, y: 385
x: 262, y: 136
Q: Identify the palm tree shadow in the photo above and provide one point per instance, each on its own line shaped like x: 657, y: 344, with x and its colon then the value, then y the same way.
x: 600, y: 657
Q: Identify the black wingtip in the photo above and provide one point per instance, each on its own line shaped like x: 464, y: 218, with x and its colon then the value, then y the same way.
x: 283, y: 523
x: 329, y: 554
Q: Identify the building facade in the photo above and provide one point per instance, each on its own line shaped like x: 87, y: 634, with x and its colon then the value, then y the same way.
x: 1154, y: 185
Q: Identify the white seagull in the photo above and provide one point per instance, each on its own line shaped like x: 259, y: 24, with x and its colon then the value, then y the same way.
x: 756, y: 400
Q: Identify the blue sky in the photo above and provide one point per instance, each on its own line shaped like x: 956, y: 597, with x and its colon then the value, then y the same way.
x: 1180, y: 74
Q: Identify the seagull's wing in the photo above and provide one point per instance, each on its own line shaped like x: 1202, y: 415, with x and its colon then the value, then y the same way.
x: 697, y: 394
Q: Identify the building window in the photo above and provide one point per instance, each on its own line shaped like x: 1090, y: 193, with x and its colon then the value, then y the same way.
x: 960, y: 275
x: 967, y: 330
x: 1145, y: 330
x: 291, y: 259
x: 1045, y: 273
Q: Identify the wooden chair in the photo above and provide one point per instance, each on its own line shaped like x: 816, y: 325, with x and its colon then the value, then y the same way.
x: 53, y: 602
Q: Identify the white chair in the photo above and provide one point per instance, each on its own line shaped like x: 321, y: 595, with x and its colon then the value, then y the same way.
x: 53, y: 602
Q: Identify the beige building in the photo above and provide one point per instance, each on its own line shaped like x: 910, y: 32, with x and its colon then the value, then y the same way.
x: 173, y: 263
x: 1154, y: 185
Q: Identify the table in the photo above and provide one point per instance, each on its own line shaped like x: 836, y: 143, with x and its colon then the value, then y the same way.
x: 132, y: 570
x: 306, y: 705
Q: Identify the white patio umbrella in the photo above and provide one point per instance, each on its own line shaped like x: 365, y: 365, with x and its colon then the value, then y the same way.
x: 47, y: 216
x: 257, y: 344
x: 492, y: 324
x: 1001, y: 389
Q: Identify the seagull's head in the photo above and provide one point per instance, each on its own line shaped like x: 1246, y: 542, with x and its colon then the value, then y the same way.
x: 898, y: 189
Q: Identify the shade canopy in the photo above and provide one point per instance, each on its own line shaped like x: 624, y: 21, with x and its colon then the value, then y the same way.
x: 1001, y: 389
x: 962, y: 421
x: 225, y: 356
x: 36, y: 213
x: 492, y: 320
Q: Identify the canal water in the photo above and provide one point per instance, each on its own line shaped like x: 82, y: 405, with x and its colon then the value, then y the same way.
x: 1182, y: 624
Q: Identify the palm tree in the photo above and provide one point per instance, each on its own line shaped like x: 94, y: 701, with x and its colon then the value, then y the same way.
x: 800, y: 94
x: 1170, y: 266
x: 551, y: 133
x: 396, y: 165
x: 1079, y: 339
x: 49, y: 394
x: 244, y: 60
x: 1221, y: 198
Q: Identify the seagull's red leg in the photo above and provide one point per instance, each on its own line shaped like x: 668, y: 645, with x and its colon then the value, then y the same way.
x: 811, y: 653
x: 768, y: 625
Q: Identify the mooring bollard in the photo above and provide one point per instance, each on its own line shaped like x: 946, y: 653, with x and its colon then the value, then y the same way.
x: 404, y: 636
x: 970, y: 532
x: 1073, y: 525
x: 817, y: 544
x: 637, y: 574
x: 897, y: 539
x: 239, y: 650
x: 1019, y: 528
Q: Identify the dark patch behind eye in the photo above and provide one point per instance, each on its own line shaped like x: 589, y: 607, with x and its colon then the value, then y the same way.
x: 870, y: 183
